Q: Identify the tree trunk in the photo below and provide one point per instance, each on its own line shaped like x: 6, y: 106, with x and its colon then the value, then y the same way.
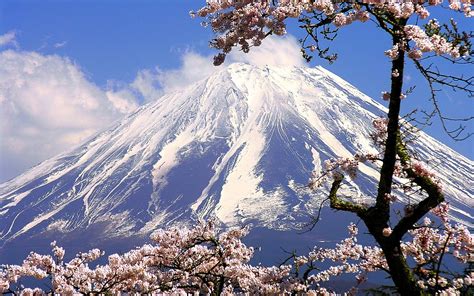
x: 377, y: 218
x: 401, y: 273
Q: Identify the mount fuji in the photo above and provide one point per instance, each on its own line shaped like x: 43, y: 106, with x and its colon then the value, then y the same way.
x: 238, y: 146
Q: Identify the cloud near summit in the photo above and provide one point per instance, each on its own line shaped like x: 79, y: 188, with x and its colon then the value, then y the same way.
x: 274, y: 51
x: 48, y: 105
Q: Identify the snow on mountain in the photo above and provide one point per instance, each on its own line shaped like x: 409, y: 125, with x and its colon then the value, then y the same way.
x: 239, y: 145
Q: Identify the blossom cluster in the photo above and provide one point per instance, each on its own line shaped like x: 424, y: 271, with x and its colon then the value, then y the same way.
x: 425, y: 43
x: 200, y: 260
x: 379, y: 133
x: 422, y: 43
x: 428, y: 246
x: 422, y: 171
x: 348, y: 256
x: 411, y: 170
x: 337, y: 168
x: 197, y: 260
x: 245, y: 23
x: 341, y: 19
x: 379, y: 136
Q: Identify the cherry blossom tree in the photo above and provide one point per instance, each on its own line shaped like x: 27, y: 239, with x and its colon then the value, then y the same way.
x: 197, y: 260
x: 415, y: 37
x: 203, y: 260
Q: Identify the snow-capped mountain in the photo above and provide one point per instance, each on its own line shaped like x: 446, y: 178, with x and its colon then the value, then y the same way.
x: 239, y: 145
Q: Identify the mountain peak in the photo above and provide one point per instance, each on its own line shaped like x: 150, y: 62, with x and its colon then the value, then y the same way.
x: 239, y: 145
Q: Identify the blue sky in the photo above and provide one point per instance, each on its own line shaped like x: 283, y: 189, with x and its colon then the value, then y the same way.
x: 110, y: 48
x: 109, y: 39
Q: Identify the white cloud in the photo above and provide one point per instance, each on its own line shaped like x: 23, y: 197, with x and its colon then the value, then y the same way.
x: 194, y: 67
x: 274, y: 51
x: 147, y: 83
x: 59, y: 44
x: 152, y: 83
x: 8, y: 38
x: 47, y: 105
x: 122, y: 100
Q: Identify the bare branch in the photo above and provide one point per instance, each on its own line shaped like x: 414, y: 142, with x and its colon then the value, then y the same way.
x: 342, y: 205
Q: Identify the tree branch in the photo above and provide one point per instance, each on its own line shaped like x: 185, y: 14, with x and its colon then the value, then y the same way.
x: 435, y: 196
x: 342, y: 205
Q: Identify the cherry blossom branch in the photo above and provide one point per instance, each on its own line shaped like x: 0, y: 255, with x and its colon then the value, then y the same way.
x: 443, y: 252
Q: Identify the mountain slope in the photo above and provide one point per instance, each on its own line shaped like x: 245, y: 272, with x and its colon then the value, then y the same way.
x: 239, y: 145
